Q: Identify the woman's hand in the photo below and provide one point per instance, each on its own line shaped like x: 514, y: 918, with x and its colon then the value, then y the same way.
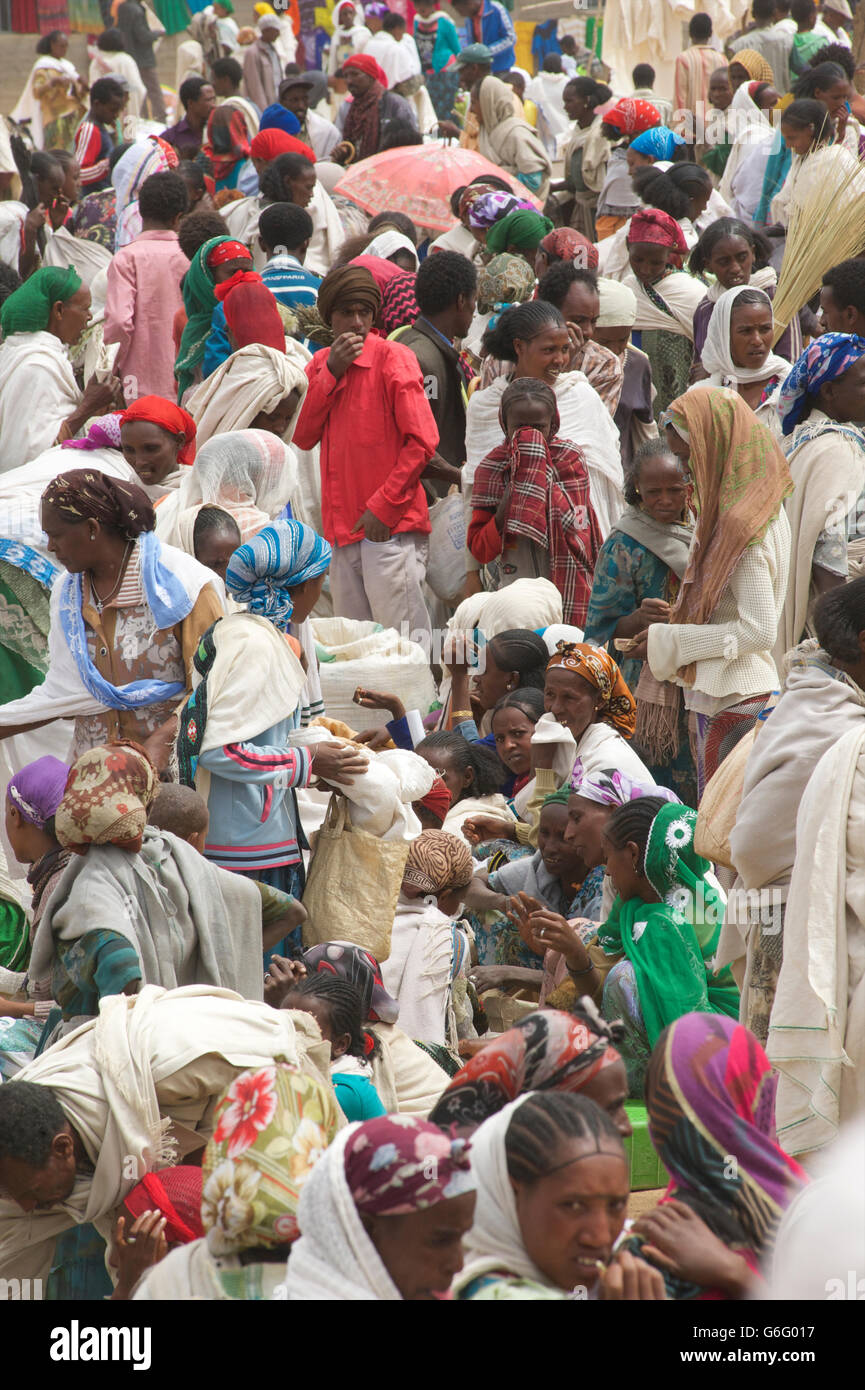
x: 145, y: 1246
x: 100, y: 395
x: 552, y: 932
x: 282, y: 975
x: 459, y: 653
x: 476, y: 829
x: 677, y: 1240
x: 654, y: 610
x: 374, y: 699
x: 578, y: 343
x: 639, y: 650
x: 629, y: 1279
x: 500, y: 976
x: 58, y: 211
x: 36, y: 218
x: 335, y: 762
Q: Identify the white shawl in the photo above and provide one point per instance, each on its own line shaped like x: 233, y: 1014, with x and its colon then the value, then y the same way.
x: 21, y: 489
x: 407, y: 1079
x: 63, y: 694
x: 418, y: 970
x: 334, y: 1260
x: 584, y: 421
x: 12, y: 215
x: 254, y: 379
x: 680, y: 292
x: 717, y: 357
x: 817, y: 1026
x: 38, y: 392
x: 241, y: 218
x: 29, y: 106
x: 87, y: 257
x: 107, y: 1076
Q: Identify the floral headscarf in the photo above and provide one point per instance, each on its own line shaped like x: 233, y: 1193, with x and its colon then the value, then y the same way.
x: 824, y: 360
x: 600, y: 670
x: 493, y: 204
x: 632, y: 115
x: 272, y: 1126
x: 107, y: 797
x: 103, y: 432
x: 614, y: 788
x: 504, y: 281
x: 564, y: 244
x: 546, y: 1051
x: 397, y: 1164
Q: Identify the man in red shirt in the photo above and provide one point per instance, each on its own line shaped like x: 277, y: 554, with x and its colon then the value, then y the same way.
x: 367, y: 408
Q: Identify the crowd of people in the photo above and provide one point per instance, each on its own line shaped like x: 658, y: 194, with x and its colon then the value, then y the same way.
x: 410, y: 606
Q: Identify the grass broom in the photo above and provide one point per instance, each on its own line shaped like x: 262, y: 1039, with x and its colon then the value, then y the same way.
x: 826, y: 227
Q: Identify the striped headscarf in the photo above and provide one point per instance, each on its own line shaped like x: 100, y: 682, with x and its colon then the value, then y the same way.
x: 438, y: 861
x: 282, y: 556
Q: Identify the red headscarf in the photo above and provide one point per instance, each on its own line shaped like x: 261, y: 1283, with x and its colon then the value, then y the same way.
x: 370, y: 67
x: 437, y: 799
x: 658, y: 228
x: 250, y: 311
x: 228, y: 251
x: 168, y: 416
x: 269, y: 144
x: 567, y: 244
x: 632, y: 116
x: 176, y: 1192
x: 223, y: 161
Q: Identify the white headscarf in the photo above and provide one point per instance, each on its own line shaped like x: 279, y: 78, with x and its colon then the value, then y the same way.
x: 253, y: 379
x: 249, y: 473
x: 387, y: 243
x: 335, y: 1259
x: 618, y: 304
x: 717, y: 357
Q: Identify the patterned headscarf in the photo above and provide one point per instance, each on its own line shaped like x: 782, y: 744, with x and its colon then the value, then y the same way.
x: 176, y: 1193
x: 506, y: 280
x: 740, y: 480
x: 226, y: 143
x: 37, y: 790
x: 493, y: 204
x: 107, y: 797
x: 824, y: 360
x: 438, y: 861
x: 84, y: 493
x: 546, y: 1051
x: 155, y: 410
x: 614, y: 788
x: 660, y: 142
x: 348, y: 284
x: 564, y: 244
x: 281, y: 557
x: 522, y: 229
x: 632, y: 115
x: 272, y: 1125
x: 362, y: 970
x: 600, y: 670
x: 396, y: 286
x: 658, y: 229
x: 103, y: 432
x: 755, y: 65
x: 28, y: 309
x: 711, y: 1099
x: 397, y: 1164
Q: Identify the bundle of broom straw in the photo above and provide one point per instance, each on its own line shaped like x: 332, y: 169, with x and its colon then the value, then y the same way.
x: 827, y: 226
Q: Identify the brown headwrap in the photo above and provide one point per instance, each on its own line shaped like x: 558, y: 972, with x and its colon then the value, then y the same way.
x: 107, y: 798
x: 438, y: 861
x: 83, y: 493
x: 600, y: 670
x: 348, y: 284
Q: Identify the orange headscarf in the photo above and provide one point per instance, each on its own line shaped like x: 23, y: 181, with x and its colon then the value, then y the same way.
x: 600, y: 670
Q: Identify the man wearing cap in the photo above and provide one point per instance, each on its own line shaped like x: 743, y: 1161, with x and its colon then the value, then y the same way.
x: 294, y: 94
x: 262, y: 69
x: 367, y: 409
x: 488, y: 22
x: 473, y: 65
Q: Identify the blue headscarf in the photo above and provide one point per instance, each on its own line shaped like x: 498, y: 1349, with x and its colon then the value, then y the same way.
x: 824, y: 360
x: 276, y: 117
x: 280, y: 557
x: 659, y: 142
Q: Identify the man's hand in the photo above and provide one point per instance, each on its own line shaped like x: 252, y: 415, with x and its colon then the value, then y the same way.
x: 141, y: 1250
x: 334, y: 762
x: 448, y: 130
x: 346, y: 348
x: 479, y: 828
x: 373, y: 529
x: 282, y: 975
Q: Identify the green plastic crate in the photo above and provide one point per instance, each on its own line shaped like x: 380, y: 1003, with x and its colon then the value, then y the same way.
x: 647, y: 1170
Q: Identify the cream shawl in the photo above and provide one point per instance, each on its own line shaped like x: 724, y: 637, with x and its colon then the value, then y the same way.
x: 817, y: 1026
x: 254, y: 379
x: 38, y: 392
x: 417, y: 973
x: 508, y: 140
x: 680, y: 292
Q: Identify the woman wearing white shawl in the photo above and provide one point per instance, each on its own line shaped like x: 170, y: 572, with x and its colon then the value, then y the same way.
x: 757, y: 377
x: 508, y: 140
x: 52, y: 100
x: 250, y: 474
x: 752, y: 130
x: 253, y: 381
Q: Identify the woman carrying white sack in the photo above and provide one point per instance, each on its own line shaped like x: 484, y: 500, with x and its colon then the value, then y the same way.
x: 235, y: 750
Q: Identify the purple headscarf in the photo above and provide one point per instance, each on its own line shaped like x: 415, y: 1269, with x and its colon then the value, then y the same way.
x: 102, y: 433
x: 488, y: 209
x: 37, y: 790
x: 399, y: 1163
x: 613, y: 788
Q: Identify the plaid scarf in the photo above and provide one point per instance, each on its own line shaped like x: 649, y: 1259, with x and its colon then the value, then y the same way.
x: 550, y: 505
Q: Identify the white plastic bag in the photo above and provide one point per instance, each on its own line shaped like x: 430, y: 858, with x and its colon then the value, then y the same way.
x: 373, y: 658
x: 446, y: 566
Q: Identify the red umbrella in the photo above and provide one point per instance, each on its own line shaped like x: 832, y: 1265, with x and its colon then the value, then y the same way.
x: 419, y: 180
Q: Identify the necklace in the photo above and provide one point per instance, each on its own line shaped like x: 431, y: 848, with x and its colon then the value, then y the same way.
x: 101, y: 602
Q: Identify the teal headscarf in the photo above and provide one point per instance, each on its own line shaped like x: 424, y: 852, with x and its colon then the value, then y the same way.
x: 199, y: 302
x: 28, y: 309
x: 522, y: 229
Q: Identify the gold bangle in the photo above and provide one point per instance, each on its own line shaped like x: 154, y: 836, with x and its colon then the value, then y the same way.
x: 461, y: 714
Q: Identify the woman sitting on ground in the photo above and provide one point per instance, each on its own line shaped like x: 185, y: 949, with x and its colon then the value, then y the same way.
x: 553, y: 1185
x: 710, y: 1094
x: 337, y: 1008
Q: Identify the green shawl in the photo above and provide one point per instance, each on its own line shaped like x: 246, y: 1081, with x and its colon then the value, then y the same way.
x: 199, y: 302
x: 671, y: 943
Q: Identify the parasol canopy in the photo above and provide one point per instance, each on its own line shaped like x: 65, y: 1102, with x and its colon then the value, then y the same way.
x: 419, y: 180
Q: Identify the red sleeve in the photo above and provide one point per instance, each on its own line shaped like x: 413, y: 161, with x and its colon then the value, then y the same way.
x: 484, y: 539
x: 416, y: 422
x: 88, y: 147
x: 316, y: 403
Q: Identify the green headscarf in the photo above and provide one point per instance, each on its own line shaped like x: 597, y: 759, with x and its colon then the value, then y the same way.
x: 522, y: 229
x: 199, y: 302
x: 559, y: 798
x: 28, y: 309
x: 671, y: 943
x: 227, y: 5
